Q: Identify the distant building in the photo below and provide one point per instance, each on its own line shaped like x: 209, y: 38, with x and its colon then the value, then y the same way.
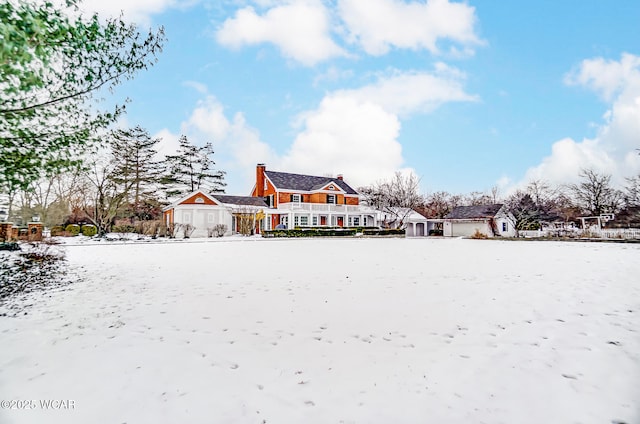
x: 490, y: 220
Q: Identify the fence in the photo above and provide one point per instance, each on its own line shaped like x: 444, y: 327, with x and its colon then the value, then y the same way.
x: 605, y: 233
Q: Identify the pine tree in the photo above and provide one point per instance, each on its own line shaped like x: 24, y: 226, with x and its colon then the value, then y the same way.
x: 53, y: 65
x: 192, y: 169
x: 133, y: 151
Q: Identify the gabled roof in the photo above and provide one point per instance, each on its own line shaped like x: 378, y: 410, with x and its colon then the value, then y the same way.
x: 188, y: 196
x: 241, y: 200
x: 474, y: 212
x: 299, y: 182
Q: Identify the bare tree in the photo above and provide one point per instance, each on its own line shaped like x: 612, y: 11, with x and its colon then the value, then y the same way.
x: 396, y: 198
x: 477, y: 198
x: 245, y: 219
x: 103, y: 194
x: 632, y: 191
x: 439, y: 204
x: 594, y: 194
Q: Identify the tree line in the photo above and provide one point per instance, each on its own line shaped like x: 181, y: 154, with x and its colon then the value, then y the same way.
x: 59, y: 152
x: 537, y: 203
x: 123, y: 181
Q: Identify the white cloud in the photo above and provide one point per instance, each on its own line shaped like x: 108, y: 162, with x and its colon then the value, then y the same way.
x: 378, y: 25
x: 353, y: 132
x: 198, y: 86
x: 139, y: 11
x: 403, y: 93
x: 168, y: 143
x: 300, y: 29
x: 605, y: 77
x: 237, y: 146
x: 209, y: 120
x: 612, y: 150
x: 345, y: 135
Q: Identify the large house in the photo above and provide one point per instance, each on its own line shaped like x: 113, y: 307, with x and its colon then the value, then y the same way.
x: 282, y: 200
x: 298, y: 200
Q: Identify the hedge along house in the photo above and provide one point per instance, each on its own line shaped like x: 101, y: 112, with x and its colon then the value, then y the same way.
x: 240, y: 214
x: 298, y: 200
x: 490, y: 220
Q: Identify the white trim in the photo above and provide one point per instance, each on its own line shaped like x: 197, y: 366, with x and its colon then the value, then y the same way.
x: 187, y: 196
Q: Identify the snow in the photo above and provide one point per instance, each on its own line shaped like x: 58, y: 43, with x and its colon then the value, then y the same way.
x: 332, y: 331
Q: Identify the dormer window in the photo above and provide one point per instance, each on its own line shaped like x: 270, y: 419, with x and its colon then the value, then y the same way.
x: 199, y: 200
x: 331, y: 187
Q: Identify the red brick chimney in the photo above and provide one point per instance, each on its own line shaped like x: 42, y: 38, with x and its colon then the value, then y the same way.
x: 260, y: 168
x: 340, y: 177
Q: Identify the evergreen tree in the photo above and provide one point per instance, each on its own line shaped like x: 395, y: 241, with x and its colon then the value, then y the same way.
x: 192, y: 169
x: 133, y: 152
x: 52, y: 63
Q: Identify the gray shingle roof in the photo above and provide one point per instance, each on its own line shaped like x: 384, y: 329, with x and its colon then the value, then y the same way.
x: 285, y: 180
x: 474, y: 212
x: 241, y: 200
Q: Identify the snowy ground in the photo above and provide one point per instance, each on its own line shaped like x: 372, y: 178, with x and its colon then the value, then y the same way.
x: 332, y: 331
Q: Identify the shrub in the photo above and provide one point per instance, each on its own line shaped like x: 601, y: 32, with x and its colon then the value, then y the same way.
x: 151, y: 228
x: 72, y: 229
x: 311, y: 232
x: 435, y: 232
x: 89, y: 230
x: 478, y: 235
x: 10, y: 246
x: 123, y: 229
x: 385, y: 232
x: 58, y: 230
x: 187, y: 230
x: 217, y: 230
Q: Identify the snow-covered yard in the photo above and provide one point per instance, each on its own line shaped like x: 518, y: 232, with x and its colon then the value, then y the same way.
x: 332, y: 331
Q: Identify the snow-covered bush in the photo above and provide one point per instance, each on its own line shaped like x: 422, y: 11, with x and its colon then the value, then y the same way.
x: 218, y: 230
x: 187, y: 230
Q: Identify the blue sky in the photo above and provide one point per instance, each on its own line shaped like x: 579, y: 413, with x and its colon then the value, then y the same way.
x: 465, y: 95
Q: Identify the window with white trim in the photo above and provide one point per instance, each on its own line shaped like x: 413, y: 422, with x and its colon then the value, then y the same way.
x: 296, y: 221
x: 304, y: 221
x: 296, y: 198
x: 331, y: 198
x: 356, y: 221
x: 364, y: 221
x: 314, y: 221
x: 350, y: 222
x: 505, y: 227
x: 199, y: 200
